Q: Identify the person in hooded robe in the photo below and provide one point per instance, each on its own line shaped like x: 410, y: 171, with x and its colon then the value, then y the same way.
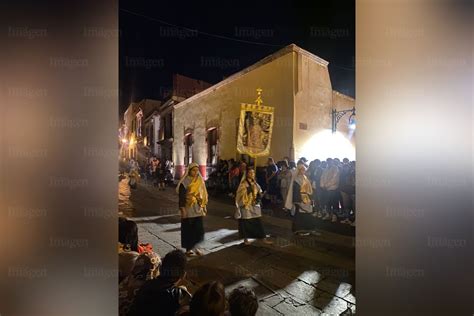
x: 193, y: 200
x: 249, y: 212
x: 299, y: 202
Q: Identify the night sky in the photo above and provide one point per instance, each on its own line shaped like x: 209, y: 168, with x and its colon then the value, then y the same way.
x: 159, y: 39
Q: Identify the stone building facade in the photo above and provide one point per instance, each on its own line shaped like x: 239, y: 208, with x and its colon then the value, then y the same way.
x: 147, y: 128
x: 135, y: 143
x: 295, y: 82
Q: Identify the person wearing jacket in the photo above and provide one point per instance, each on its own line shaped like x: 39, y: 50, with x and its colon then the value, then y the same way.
x: 330, y: 184
x: 284, y: 178
x: 315, y: 178
x: 347, y: 187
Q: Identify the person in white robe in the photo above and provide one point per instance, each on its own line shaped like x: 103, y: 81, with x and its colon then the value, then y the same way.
x: 298, y: 201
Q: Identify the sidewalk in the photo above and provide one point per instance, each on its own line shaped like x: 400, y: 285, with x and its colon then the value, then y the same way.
x: 311, y: 275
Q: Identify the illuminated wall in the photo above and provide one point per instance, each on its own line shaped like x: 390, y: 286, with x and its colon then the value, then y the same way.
x: 221, y: 108
x: 314, y: 99
x: 294, y: 81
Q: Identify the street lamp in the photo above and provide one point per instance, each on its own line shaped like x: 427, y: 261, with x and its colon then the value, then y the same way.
x: 337, y: 115
x: 352, y: 122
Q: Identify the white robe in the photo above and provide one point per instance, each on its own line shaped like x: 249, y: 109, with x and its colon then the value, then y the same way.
x: 289, y: 197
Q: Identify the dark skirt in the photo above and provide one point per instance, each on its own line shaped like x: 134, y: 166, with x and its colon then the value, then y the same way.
x: 192, y: 232
x: 303, y: 221
x: 251, y: 228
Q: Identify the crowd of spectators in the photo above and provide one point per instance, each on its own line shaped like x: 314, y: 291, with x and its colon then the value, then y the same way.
x: 333, y: 183
x: 149, y: 285
x: 152, y: 170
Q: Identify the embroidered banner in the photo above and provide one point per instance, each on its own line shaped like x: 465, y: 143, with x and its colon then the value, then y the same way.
x: 255, y: 129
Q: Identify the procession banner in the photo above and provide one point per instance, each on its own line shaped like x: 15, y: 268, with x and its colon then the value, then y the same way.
x: 255, y: 130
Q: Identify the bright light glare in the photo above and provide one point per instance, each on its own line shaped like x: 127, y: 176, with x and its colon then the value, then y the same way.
x: 325, y: 144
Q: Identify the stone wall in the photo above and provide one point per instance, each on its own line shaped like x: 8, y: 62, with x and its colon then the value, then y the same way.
x: 221, y: 108
x: 313, y: 102
x: 296, y: 84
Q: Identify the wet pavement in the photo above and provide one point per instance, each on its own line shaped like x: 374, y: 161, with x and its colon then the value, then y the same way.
x: 312, y: 275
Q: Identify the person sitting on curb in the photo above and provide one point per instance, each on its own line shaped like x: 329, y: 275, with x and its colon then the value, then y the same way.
x: 164, y: 295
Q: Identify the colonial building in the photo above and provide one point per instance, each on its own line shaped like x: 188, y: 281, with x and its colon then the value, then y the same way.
x: 148, y: 124
x: 135, y: 143
x: 164, y: 140
x: 151, y: 125
x: 294, y: 81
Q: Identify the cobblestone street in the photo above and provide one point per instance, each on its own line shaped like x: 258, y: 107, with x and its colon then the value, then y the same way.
x: 311, y: 275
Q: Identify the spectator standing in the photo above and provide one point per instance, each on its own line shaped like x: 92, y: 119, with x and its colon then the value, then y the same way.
x: 330, y: 183
x: 132, y: 165
x: 234, y: 174
x: 323, y: 200
x: 134, y: 174
x: 154, y: 166
x: 292, y: 165
x: 352, y: 196
x: 169, y: 171
x: 310, y: 170
x: 160, y: 175
x: 284, y: 178
x: 224, y: 175
x: 339, y: 164
x: 271, y: 179
x: 347, y: 184
x: 315, y: 177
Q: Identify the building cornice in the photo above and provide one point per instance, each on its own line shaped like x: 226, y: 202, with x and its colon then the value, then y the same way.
x: 342, y: 95
x: 286, y: 50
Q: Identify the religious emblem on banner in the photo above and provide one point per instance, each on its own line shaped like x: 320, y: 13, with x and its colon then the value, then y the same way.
x: 255, y: 128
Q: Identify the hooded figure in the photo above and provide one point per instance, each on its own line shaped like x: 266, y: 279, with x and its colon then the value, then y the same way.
x: 298, y: 199
x: 249, y: 212
x: 193, y: 200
